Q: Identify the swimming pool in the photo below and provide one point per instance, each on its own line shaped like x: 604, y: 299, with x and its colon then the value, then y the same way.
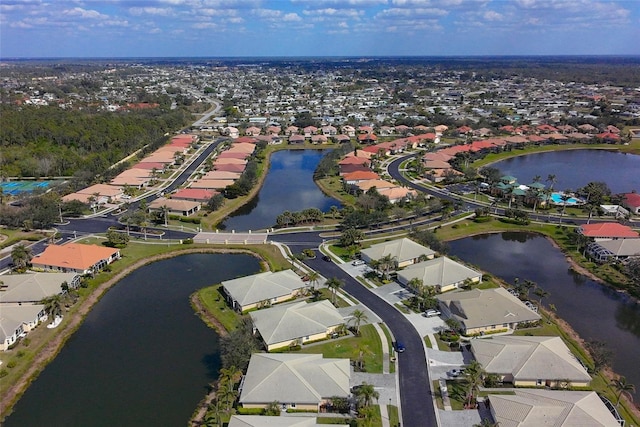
x: 556, y: 198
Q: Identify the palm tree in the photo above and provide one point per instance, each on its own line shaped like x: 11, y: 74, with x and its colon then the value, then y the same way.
x: 527, y: 286
x: 366, y: 393
x: 565, y: 196
x: 551, y: 179
x: 359, y: 317
x: 164, y: 210
x: 21, y: 257
x: 473, y: 374
x: 53, y: 305
x: 541, y: 293
x: 227, y: 395
x: 314, y: 278
x: 334, y: 211
x: 387, y: 262
x: 334, y: 284
x: 229, y: 374
x: 622, y: 387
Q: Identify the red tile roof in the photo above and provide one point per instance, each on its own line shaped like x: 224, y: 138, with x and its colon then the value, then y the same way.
x: 632, y: 199
x: 194, y: 194
x: 73, y: 256
x: 608, y: 229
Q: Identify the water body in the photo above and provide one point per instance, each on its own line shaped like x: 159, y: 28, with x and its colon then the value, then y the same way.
x: 141, y: 357
x: 594, y: 311
x: 576, y: 168
x: 288, y: 186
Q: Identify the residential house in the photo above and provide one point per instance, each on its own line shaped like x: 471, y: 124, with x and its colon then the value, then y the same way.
x: 609, y: 250
x: 263, y: 289
x: 359, y: 176
x: 16, y: 320
x: 534, y: 408
x: 444, y: 274
x: 262, y: 421
x: 607, y: 231
x: 404, y: 251
x: 296, y: 381
x: 175, y: 206
x: 75, y: 257
x: 530, y: 361
x: 296, y: 139
x: 297, y: 323
x: 379, y: 184
x: 396, y: 194
x: 481, y: 311
x: 34, y: 287
x: 199, y: 195
x: 632, y: 202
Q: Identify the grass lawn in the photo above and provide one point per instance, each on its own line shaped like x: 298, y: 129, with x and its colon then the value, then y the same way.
x: 213, y: 300
x: 349, y: 348
x: 392, y: 410
x: 9, y: 237
x: 435, y: 386
x: 427, y: 341
x: 387, y: 334
x: 457, y: 394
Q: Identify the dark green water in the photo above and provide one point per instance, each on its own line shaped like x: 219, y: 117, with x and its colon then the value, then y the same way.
x: 142, y: 357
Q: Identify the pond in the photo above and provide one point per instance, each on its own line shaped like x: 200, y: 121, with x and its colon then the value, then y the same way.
x: 288, y: 186
x: 594, y: 311
x: 141, y: 357
x: 576, y: 168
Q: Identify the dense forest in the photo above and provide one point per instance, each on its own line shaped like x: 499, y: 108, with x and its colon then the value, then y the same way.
x: 50, y: 141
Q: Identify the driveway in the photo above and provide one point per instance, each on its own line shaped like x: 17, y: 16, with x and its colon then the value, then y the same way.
x: 384, y: 384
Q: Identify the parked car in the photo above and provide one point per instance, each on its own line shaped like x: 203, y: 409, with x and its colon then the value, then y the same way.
x: 358, y: 262
x: 400, y: 347
x: 431, y: 313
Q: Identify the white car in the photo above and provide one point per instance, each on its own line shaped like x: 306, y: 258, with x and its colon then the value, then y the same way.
x: 431, y: 313
x: 358, y: 262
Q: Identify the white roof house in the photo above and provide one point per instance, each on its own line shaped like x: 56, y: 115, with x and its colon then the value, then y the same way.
x: 443, y: 273
x: 530, y: 361
x: 34, y: 287
x: 17, y: 319
x: 535, y: 408
x: 296, y: 323
x: 486, y: 310
x: 405, y: 251
x: 263, y: 289
x: 301, y: 381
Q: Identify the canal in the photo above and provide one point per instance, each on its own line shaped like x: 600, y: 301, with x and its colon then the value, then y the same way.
x: 288, y: 186
x: 594, y: 311
x: 576, y: 168
x: 141, y: 357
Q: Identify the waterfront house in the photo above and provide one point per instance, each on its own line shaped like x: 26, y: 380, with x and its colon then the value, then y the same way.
x: 404, y: 251
x: 199, y: 195
x: 535, y: 408
x: 263, y: 289
x: 302, y: 382
x: 481, y: 311
x: 297, y: 323
x: 444, y: 274
x: 607, y: 231
x: 75, y: 257
x: 632, y: 202
x: 288, y: 421
x: 609, y: 250
x: 530, y: 361
x: 34, y: 287
x: 16, y: 320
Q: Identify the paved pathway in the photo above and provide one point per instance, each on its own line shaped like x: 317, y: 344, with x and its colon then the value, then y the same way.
x: 231, y: 238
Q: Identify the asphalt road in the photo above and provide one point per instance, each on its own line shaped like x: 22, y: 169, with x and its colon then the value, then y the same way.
x: 414, y: 383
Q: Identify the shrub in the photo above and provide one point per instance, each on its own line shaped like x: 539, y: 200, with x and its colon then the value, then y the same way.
x: 3, y: 373
x: 187, y: 241
x: 11, y: 364
x: 250, y: 411
x: 20, y: 353
x: 26, y: 342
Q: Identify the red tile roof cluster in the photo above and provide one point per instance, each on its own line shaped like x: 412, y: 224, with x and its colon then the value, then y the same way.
x: 608, y: 230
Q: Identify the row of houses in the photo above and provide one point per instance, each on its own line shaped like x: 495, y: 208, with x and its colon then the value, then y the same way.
x: 356, y: 173
x: 21, y: 294
x: 139, y: 176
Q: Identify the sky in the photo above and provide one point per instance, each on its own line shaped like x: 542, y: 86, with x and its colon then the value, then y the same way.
x: 241, y: 28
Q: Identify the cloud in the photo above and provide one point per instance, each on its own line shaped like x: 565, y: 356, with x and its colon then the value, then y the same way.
x: 157, y: 11
x: 291, y: 17
x: 83, y: 13
x: 491, y: 15
x: 398, y: 12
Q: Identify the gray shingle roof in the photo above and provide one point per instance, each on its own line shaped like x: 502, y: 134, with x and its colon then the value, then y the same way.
x: 535, y: 408
x: 485, y: 307
x: 529, y: 358
x: 294, y: 378
x: 11, y: 317
x: 32, y: 287
x: 441, y: 271
x: 290, y: 321
x: 403, y: 249
x: 263, y: 286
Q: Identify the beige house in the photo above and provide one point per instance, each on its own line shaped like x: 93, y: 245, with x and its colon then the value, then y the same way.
x: 263, y: 289
x: 535, y: 408
x: 262, y: 421
x: 530, y: 361
x: 297, y: 323
x: 296, y: 381
x: 16, y: 320
x: 34, y: 287
x: 175, y: 206
x: 405, y: 251
x: 482, y: 311
x: 442, y: 273
x: 75, y: 257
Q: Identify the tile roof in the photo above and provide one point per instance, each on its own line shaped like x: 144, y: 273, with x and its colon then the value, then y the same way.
x: 76, y: 256
x: 608, y: 229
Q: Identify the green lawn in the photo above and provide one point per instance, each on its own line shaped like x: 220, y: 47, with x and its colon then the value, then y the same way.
x: 349, y: 348
x: 9, y: 237
x: 213, y: 300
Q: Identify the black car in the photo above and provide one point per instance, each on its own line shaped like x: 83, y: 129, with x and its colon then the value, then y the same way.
x: 326, y: 258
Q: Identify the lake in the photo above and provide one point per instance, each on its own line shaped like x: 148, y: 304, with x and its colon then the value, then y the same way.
x: 594, y: 311
x: 576, y: 168
x: 141, y: 357
x: 288, y: 186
